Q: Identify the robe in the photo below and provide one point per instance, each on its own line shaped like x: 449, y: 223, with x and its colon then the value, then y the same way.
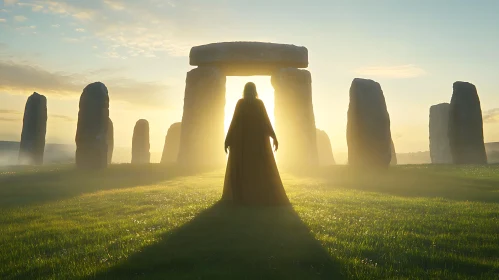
x: 252, y: 177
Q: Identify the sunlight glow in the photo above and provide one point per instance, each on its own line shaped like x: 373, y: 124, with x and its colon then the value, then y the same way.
x: 234, y: 91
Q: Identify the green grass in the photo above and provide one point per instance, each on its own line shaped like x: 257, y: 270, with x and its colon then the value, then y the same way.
x: 157, y: 222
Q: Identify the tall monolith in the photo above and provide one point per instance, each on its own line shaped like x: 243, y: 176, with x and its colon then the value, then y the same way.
x: 91, y: 131
x: 324, y: 150
x: 294, y: 118
x: 110, y: 141
x: 172, y: 143
x: 368, y: 127
x: 140, y: 143
x: 203, y: 118
x: 466, y: 125
x: 32, y: 144
x: 439, y: 134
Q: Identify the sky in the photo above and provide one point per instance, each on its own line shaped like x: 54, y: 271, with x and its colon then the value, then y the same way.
x: 140, y: 49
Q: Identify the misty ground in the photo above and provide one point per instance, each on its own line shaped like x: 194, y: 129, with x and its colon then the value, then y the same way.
x: 153, y: 221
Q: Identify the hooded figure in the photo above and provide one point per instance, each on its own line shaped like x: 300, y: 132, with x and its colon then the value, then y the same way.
x: 252, y: 177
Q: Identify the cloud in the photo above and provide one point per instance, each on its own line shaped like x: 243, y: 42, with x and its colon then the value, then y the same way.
x: 7, y: 119
x: 15, y: 115
x: 67, y: 8
x: 146, y: 28
x: 74, y: 40
x: 20, y: 18
x: 26, y: 27
x: 56, y: 25
x: 80, y: 30
x: 115, y: 5
x: 10, y: 115
x: 62, y: 117
x: 9, y: 2
x: 34, y: 7
x: 10, y: 111
x: 394, y: 72
x: 491, y: 116
x: 3, y: 20
x: 17, y: 78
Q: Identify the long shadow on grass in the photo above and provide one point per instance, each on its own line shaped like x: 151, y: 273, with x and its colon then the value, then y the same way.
x: 227, y: 242
x: 461, y: 183
x: 62, y: 182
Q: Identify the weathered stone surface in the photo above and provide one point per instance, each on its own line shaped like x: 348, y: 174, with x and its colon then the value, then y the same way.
x: 466, y: 125
x: 249, y: 58
x: 393, y: 161
x: 324, y: 150
x: 91, y: 131
x: 172, y: 143
x: 202, y: 135
x: 439, y: 134
x: 110, y: 141
x: 294, y: 118
x: 140, y: 143
x: 32, y: 144
x: 368, y: 128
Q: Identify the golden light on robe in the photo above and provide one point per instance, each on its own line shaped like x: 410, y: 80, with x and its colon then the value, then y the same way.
x: 234, y: 92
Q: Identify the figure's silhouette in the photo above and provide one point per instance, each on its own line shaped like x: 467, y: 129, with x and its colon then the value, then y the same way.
x: 252, y: 177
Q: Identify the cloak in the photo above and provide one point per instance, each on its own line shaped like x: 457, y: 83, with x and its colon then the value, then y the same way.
x: 252, y: 177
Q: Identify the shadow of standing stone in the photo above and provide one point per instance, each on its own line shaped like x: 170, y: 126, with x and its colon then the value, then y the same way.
x: 172, y: 143
x: 140, y: 142
x: 466, y: 125
x: 91, y: 131
x: 368, y: 128
x: 32, y: 144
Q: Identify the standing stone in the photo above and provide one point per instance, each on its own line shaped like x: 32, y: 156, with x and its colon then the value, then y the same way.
x: 294, y: 118
x: 324, y: 150
x: 439, y: 134
x: 91, y: 131
x: 140, y: 143
x: 172, y: 143
x: 34, y: 129
x: 393, y: 161
x: 202, y: 134
x: 466, y: 126
x: 110, y: 141
x: 368, y: 128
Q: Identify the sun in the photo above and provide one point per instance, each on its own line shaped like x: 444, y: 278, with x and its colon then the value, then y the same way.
x: 234, y: 91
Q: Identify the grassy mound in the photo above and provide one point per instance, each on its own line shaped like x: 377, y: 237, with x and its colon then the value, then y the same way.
x: 157, y: 222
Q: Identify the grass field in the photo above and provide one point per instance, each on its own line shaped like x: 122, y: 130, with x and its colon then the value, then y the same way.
x: 157, y: 222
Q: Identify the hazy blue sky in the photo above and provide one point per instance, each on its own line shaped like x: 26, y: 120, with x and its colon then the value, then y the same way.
x: 415, y: 49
